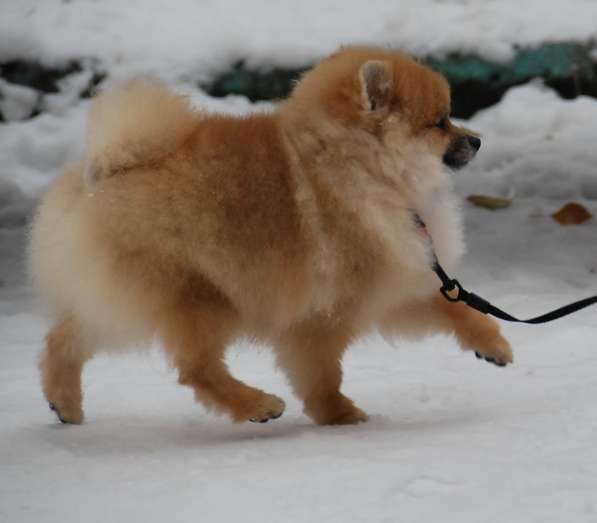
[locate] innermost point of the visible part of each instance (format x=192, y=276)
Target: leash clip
x=470, y=298
x=448, y=286
x=476, y=302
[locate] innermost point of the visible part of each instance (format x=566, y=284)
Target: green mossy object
x=36, y=75
x=273, y=84
x=476, y=83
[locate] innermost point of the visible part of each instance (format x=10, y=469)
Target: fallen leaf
x=489, y=202
x=572, y=214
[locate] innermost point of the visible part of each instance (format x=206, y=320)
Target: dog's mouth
x=462, y=151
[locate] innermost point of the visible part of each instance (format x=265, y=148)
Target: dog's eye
x=442, y=123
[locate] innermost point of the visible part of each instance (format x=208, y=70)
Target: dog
x=295, y=228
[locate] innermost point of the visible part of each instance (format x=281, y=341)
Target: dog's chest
x=441, y=214
x=373, y=250
x=400, y=250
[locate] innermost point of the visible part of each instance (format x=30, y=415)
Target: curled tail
x=135, y=125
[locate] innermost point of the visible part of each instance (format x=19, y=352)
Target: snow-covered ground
x=450, y=438
x=207, y=36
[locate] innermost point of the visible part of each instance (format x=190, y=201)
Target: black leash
x=476, y=302
x=482, y=305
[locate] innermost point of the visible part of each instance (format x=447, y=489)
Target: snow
x=203, y=38
x=16, y=102
x=450, y=437
x=537, y=145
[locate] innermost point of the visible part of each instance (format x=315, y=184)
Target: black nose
x=474, y=142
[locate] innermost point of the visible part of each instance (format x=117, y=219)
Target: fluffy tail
x=135, y=125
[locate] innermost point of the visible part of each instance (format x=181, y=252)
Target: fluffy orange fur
x=294, y=228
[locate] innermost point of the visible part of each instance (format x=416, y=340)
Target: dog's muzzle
x=462, y=151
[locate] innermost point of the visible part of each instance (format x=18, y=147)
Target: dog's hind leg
x=311, y=356
x=66, y=351
x=196, y=338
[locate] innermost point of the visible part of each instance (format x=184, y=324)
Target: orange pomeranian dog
x=294, y=228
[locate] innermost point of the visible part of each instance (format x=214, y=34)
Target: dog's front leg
x=476, y=331
x=473, y=330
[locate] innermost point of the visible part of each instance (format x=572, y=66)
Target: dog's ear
x=376, y=85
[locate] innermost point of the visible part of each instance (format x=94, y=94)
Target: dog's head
x=404, y=103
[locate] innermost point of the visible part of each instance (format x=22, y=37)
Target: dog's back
x=170, y=205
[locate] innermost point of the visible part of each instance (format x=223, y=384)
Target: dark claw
x=270, y=415
x=491, y=360
x=54, y=409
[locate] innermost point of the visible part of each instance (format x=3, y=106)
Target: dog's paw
x=335, y=409
x=270, y=407
x=72, y=416
x=351, y=417
x=498, y=352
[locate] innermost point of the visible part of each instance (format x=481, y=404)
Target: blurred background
x=523, y=75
